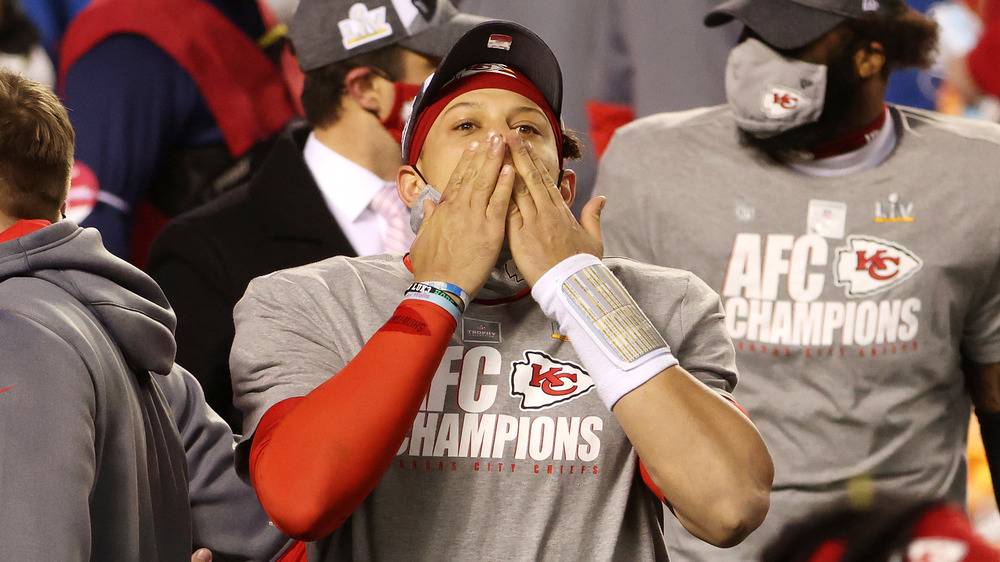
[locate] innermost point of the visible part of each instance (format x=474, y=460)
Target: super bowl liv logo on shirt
x=442, y=439
x=774, y=282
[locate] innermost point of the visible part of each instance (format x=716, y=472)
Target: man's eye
x=527, y=130
x=465, y=126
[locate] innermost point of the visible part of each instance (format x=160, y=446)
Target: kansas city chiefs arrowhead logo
x=542, y=381
x=869, y=265
x=781, y=102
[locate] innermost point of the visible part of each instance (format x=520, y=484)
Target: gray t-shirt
x=851, y=300
x=513, y=456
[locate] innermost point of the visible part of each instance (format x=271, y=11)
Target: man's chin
x=800, y=139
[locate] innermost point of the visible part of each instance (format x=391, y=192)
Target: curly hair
x=909, y=38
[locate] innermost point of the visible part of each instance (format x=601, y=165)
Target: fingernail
x=496, y=143
x=474, y=146
x=204, y=554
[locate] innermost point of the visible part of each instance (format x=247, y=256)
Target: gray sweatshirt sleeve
x=47, y=451
x=226, y=515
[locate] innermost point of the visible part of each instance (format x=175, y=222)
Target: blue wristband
x=453, y=289
x=443, y=302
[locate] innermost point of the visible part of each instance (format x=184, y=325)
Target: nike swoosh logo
x=2, y=390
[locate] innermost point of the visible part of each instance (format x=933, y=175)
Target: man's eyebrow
x=530, y=109
x=462, y=104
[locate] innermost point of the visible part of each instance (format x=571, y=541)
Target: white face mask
x=769, y=93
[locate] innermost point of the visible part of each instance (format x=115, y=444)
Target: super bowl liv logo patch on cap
x=363, y=26
x=870, y=5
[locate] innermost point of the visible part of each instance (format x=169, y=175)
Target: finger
x=459, y=172
x=500, y=200
x=590, y=219
x=548, y=182
x=202, y=555
x=522, y=193
x=488, y=174
x=474, y=172
x=428, y=208
x=536, y=179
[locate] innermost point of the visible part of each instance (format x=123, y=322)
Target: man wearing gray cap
x=327, y=188
x=854, y=243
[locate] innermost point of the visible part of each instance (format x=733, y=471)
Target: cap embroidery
x=499, y=41
x=363, y=26
x=870, y=5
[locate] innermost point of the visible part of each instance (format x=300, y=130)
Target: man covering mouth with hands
x=431, y=407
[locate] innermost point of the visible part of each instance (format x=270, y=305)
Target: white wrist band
x=617, y=344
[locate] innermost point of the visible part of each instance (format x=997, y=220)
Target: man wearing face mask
x=854, y=243
x=327, y=187
x=490, y=395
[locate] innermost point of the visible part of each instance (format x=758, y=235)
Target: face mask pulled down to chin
x=769, y=93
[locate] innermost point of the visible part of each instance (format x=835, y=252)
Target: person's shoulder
x=340, y=273
x=674, y=135
x=680, y=122
x=223, y=223
x=640, y=274
x=921, y=121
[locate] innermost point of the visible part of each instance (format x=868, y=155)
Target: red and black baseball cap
x=492, y=43
x=790, y=24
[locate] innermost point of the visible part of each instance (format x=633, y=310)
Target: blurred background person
x=883, y=529
x=165, y=95
x=327, y=187
x=20, y=46
x=108, y=449
x=853, y=243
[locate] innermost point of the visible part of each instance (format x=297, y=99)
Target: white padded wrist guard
x=616, y=342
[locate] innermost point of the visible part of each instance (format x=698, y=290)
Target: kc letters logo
x=471, y=413
x=776, y=292
x=542, y=381
x=780, y=102
x=869, y=265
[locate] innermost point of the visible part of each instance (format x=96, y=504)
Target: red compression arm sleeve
x=314, y=459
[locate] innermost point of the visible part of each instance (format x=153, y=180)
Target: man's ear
x=408, y=184
x=567, y=187
x=870, y=60
x=359, y=87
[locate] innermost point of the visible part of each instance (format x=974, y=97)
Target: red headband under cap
x=482, y=77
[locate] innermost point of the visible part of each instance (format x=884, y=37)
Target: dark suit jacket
x=205, y=259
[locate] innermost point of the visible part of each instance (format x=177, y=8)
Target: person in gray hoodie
x=107, y=449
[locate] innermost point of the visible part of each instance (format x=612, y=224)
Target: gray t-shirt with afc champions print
x=513, y=456
x=852, y=300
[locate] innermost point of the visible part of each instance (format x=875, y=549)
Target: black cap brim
x=783, y=24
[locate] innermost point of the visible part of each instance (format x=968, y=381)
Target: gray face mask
x=770, y=93
x=417, y=211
